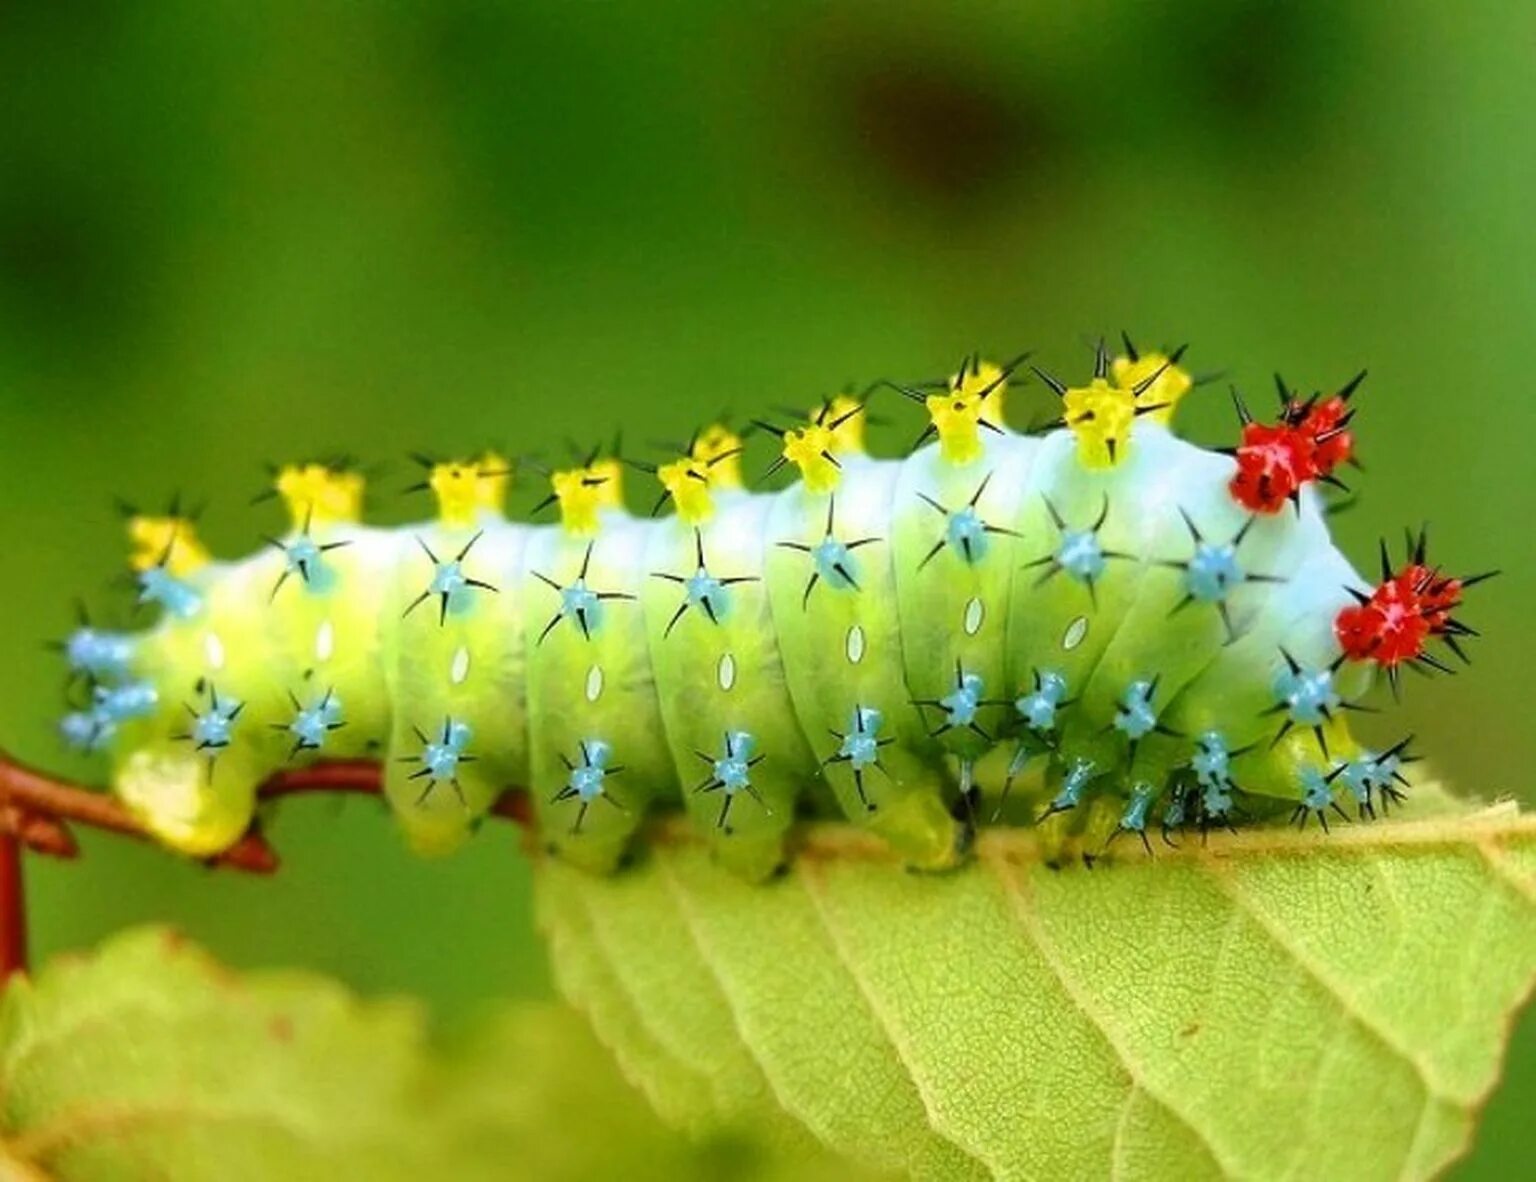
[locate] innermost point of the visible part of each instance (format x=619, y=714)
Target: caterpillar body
x=1100, y=624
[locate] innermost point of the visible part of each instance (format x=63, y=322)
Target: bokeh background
x=233, y=233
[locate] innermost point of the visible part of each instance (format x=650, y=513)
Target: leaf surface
x=1267, y=1003
x=148, y=1061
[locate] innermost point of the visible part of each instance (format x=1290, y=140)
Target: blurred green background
x=232, y=233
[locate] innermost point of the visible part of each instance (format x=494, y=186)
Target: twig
x=36, y=811
x=13, y=909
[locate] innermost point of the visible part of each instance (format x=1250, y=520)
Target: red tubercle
x=1326, y=425
x=1389, y=628
x=1395, y=622
x=1272, y=465
x=1311, y=439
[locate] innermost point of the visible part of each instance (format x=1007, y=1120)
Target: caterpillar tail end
x=194, y=806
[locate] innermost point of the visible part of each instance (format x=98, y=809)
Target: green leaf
x=1266, y=1003
x=150, y=1061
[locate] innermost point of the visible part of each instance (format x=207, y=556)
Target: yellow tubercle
x=466, y=490
x=169, y=542
x=1101, y=415
x=718, y=448
x=687, y=483
x=713, y=462
x=811, y=449
x=985, y=381
x=843, y=416
x=584, y=492
x=317, y=494
x=1165, y=383
x=957, y=417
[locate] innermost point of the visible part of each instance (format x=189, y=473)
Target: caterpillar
x=1094, y=625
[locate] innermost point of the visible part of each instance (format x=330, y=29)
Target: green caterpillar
x=1130, y=630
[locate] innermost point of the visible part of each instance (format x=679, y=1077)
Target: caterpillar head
x=466, y=490
x=320, y=494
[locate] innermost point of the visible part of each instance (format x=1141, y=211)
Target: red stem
x=13, y=909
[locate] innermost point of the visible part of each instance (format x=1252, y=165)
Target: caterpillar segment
x=1100, y=628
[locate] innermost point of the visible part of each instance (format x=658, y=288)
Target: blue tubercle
x=733, y=768
x=966, y=534
x=119, y=703
x=581, y=605
x=312, y=724
x=1080, y=554
x=1318, y=793
x=1370, y=775
x=732, y=774
x=111, y=705
x=1309, y=695
x=1038, y=709
x=1316, y=799
x=1213, y=572
x=1134, y=818
x=1212, y=764
x=179, y=598
x=707, y=593
x=1076, y=781
x=213, y=727
x=86, y=730
x=441, y=756
x=586, y=781
x=962, y=703
x=105, y=656
x=1176, y=811
x=861, y=745
x=306, y=558
x=1136, y=717
x=834, y=563
x=449, y=582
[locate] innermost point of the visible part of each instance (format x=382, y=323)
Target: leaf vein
x=1351, y=1006
x=1497, y=859
x=1015, y=889
x=690, y=924
x=887, y=1024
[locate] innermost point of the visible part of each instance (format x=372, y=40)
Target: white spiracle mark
x=325, y=641
x=213, y=650
x=459, y=670
x=594, y=683
x=975, y=613
x=855, y=645
x=1074, y=634
x=727, y=671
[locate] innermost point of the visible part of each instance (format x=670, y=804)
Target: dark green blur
x=237, y=233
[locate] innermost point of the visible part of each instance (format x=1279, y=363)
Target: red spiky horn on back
x=1311, y=439
x=1394, y=624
